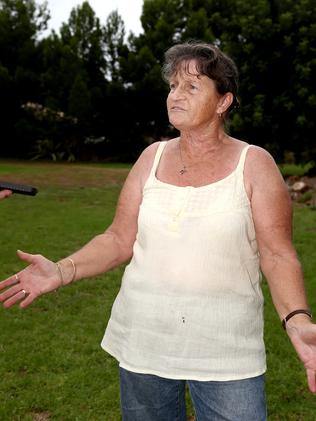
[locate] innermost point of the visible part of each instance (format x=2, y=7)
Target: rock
x=294, y=195
x=291, y=179
x=300, y=187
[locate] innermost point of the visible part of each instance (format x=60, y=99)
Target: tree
x=21, y=21
x=273, y=43
x=73, y=78
x=115, y=48
x=84, y=36
x=110, y=88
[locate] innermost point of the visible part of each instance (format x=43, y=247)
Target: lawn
x=51, y=363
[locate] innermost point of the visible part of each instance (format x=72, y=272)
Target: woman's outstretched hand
x=39, y=277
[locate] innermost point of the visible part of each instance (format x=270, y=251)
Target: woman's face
x=193, y=100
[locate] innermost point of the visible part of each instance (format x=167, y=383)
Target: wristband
x=293, y=313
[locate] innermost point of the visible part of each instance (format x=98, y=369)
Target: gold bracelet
x=74, y=269
x=60, y=271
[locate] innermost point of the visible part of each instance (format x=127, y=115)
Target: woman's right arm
x=102, y=253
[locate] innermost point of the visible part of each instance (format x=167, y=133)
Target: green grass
x=287, y=393
x=51, y=363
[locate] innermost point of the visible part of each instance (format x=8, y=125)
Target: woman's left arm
x=272, y=215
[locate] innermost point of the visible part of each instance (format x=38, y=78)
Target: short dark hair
x=210, y=61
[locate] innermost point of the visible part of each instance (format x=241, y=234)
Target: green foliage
x=83, y=35
x=20, y=22
x=113, y=35
x=79, y=104
x=91, y=71
x=265, y=39
x=296, y=169
x=305, y=197
x=47, y=149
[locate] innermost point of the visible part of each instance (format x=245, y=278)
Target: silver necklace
x=184, y=168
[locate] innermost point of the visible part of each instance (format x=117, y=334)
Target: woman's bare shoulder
x=146, y=159
x=261, y=170
x=148, y=154
x=144, y=163
x=259, y=159
x=257, y=152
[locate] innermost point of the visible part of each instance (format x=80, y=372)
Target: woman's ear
x=225, y=102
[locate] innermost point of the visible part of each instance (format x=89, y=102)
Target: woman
x=197, y=217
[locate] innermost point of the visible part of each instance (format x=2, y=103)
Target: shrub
x=296, y=169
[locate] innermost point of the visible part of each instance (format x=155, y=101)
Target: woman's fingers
x=9, y=281
x=39, y=277
x=16, y=292
x=27, y=257
x=10, y=292
x=14, y=298
x=311, y=378
x=28, y=300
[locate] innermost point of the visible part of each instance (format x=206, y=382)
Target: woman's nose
x=177, y=92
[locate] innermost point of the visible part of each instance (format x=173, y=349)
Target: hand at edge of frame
x=5, y=193
x=303, y=338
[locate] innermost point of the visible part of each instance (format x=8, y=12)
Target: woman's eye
x=172, y=86
x=193, y=87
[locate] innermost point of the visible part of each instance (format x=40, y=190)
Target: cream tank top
x=190, y=305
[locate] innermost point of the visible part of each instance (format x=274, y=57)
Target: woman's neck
x=196, y=143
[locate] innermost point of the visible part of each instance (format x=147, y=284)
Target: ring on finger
x=17, y=278
x=24, y=292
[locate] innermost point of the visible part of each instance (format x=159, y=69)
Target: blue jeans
x=145, y=397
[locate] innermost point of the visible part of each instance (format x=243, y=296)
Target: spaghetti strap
x=242, y=159
x=157, y=158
